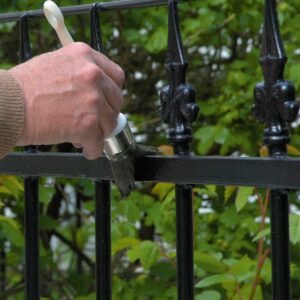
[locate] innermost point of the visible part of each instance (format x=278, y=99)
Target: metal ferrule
x=119, y=143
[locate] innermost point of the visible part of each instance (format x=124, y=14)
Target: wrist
x=12, y=110
x=22, y=139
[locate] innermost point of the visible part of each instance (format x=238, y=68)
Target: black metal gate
x=274, y=105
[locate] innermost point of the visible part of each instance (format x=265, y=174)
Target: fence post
x=103, y=198
x=179, y=110
x=32, y=280
x=275, y=106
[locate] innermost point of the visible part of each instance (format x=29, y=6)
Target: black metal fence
x=274, y=105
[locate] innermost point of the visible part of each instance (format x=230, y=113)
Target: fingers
x=93, y=150
x=109, y=67
x=114, y=71
x=77, y=145
x=100, y=122
x=92, y=142
x=107, y=114
x=112, y=93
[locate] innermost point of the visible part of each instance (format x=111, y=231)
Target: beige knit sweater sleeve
x=11, y=112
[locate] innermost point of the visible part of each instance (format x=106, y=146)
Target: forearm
x=11, y=112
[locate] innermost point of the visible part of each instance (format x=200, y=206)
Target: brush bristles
x=123, y=168
x=123, y=171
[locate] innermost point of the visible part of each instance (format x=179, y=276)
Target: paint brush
x=119, y=146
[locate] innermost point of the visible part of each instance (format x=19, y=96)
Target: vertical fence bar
x=179, y=110
x=31, y=219
x=78, y=226
x=2, y=261
x=185, y=243
x=280, y=245
x=103, y=241
x=2, y=269
x=103, y=229
x=275, y=106
x=32, y=287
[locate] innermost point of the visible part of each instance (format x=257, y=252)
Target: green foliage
x=216, y=279
x=243, y=195
x=295, y=228
x=222, y=39
x=10, y=229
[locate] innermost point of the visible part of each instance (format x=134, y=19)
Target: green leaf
x=209, y=263
x=206, y=137
x=149, y=254
x=169, y=201
x=164, y=270
x=221, y=134
x=215, y=279
x=11, y=230
x=294, y=70
x=130, y=210
x=243, y=269
x=161, y=189
x=124, y=243
x=229, y=190
x=12, y=184
x=242, y=197
x=209, y=295
x=157, y=41
x=82, y=237
x=245, y=292
x=45, y=193
x=261, y=234
x=134, y=253
x=88, y=297
x=294, y=228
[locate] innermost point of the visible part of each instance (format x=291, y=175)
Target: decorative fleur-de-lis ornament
x=178, y=108
x=275, y=97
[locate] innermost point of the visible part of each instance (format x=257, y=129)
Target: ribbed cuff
x=11, y=112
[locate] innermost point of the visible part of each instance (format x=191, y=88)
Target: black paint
x=102, y=192
x=275, y=106
x=31, y=219
x=179, y=110
x=103, y=241
x=244, y=171
x=86, y=8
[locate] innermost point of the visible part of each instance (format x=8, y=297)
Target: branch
x=18, y=287
x=262, y=255
x=73, y=247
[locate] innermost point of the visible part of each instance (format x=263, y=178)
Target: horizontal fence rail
x=85, y=9
x=250, y=171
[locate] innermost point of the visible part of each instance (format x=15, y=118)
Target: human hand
x=71, y=95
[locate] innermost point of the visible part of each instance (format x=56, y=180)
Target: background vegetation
x=232, y=255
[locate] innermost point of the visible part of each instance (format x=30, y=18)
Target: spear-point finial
x=176, y=61
x=273, y=57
